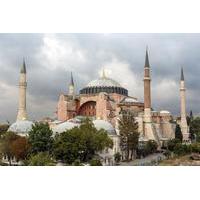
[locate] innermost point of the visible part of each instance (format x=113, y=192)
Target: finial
x=103, y=73
x=147, y=58
x=182, y=74
x=23, y=68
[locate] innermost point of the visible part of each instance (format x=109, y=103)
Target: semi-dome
x=64, y=127
x=102, y=124
x=21, y=127
x=104, y=84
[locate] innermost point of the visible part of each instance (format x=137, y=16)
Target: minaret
x=149, y=131
x=184, y=126
x=71, y=87
x=147, y=89
x=22, y=114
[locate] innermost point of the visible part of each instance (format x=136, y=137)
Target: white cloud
x=58, y=53
x=121, y=72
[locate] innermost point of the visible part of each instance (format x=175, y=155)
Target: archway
x=88, y=109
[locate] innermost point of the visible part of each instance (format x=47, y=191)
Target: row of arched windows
x=93, y=90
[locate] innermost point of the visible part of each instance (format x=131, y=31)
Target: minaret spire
x=182, y=74
x=71, y=87
x=72, y=80
x=147, y=83
x=23, y=68
x=22, y=114
x=147, y=59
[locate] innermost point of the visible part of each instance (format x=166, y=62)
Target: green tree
x=40, y=159
x=3, y=129
x=129, y=135
x=151, y=146
x=40, y=138
x=195, y=128
x=178, y=133
x=181, y=149
x=172, y=143
x=81, y=143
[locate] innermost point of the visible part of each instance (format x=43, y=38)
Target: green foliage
x=3, y=128
x=195, y=147
x=40, y=138
x=77, y=163
x=129, y=134
x=80, y=143
x=195, y=128
x=178, y=133
x=95, y=162
x=151, y=146
x=40, y=159
x=172, y=143
x=167, y=153
x=181, y=149
x=117, y=157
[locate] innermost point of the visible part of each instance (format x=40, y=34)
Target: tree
x=41, y=159
x=6, y=145
x=151, y=146
x=20, y=148
x=3, y=129
x=172, y=143
x=178, y=133
x=40, y=138
x=195, y=128
x=129, y=134
x=81, y=143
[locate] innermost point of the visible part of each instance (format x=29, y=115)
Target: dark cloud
x=51, y=57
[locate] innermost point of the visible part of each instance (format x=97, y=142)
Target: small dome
x=129, y=100
x=21, y=127
x=164, y=112
x=64, y=127
x=102, y=124
x=103, y=82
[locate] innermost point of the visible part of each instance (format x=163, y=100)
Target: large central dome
x=104, y=84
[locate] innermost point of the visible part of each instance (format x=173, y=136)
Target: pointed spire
x=72, y=80
x=182, y=74
x=23, y=68
x=147, y=58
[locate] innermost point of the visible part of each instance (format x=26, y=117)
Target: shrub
x=77, y=163
x=95, y=162
x=172, y=143
x=117, y=157
x=181, y=149
x=151, y=146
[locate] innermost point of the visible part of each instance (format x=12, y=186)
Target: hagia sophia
x=104, y=100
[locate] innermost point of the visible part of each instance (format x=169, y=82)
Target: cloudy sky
x=51, y=57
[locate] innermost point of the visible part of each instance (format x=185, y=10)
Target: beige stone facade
x=105, y=99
